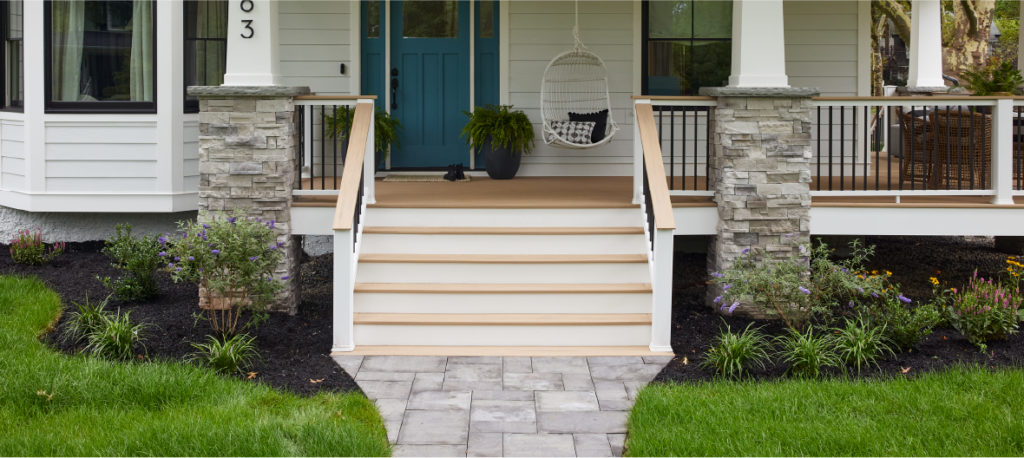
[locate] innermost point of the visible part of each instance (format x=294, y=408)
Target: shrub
x=904, y=324
x=233, y=259
x=116, y=337
x=860, y=345
x=227, y=354
x=86, y=319
x=985, y=311
x=734, y=353
x=500, y=125
x=807, y=354
x=137, y=258
x=837, y=287
x=993, y=76
x=28, y=248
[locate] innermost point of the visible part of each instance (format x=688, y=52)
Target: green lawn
x=107, y=408
x=962, y=412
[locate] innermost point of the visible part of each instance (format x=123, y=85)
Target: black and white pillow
x=576, y=132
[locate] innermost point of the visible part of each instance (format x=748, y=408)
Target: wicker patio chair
x=919, y=148
x=964, y=142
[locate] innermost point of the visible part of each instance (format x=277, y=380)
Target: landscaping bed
x=293, y=349
x=912, y=261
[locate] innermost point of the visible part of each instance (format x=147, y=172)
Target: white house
x=97, y=128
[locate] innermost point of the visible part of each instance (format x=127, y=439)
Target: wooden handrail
x=350, y=182
x=936, y=99
x=336, y=97
x=673, y=97
x=660, y=200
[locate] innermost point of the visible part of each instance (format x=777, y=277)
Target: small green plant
x=28, y=248
x=985, y=311
x=994, y=76
x=838, y=286
x=860, y=345
x=807, y=354
x=233, y=259
x=501, y=126
x=385, y=127
x=115, y=337
x=227, y=354
x=137, y=258
x=776, y=285
x=86, y=319
x=734, y=353
x=904, y=323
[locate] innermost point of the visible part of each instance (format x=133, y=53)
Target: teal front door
x=429, y=81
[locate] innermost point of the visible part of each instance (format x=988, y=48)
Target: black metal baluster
x=842, y=148
x=682, y=149
x=695, y=148
x=831, y=172
x=323, y=138
x=707, y=150
x=818, y=177
x=672, y=146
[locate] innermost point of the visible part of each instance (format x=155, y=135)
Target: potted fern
x=996, y=77
x=385, y=129
x=502, y=136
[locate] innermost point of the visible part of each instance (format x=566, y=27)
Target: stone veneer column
x=247, y=160
x=761, y=174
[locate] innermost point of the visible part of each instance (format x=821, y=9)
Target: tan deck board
x=504, y=319
x=436, y=350
x=504, y=258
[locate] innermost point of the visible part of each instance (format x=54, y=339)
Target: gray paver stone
x=376, y=389
x=483, y=395
x=605, y=421
x=393, y=427
x=503, y=417
x=428, y=450
x=663, y=360
x=561, y=364
x=456, y=360
x=440, y=400
x=391, y=409
x=349, y=363
x=618, y=443
x=610, y=390
x=428, y=381
x=632, y=388
x=434, y=427
x=404, y=363
x=592, y=445
x=484, y=444
x=539, y=445
x=566, y=401
x=534, y=381
x=518, y=364
x=385, y=376
x=634, y=372
x=614, y=360
x=578, y=382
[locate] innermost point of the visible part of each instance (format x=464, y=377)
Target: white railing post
x=369, y=159
x=661, y=310
x=1002, y=152
x=307, y=140
x=638, y=157
x=344, y=298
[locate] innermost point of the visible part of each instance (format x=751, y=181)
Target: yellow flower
x=888, y=273
x=935, y=281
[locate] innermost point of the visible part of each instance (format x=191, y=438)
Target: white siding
x=12, y=155
x=190, y=168
x=542, y=30
x=314, y=42
x=821, y=45
x=102, y=156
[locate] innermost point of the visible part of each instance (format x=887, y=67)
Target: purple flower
x=745, y=251
x=162, y=239
x=176, y=259
x=162, y=254
x=178, y=269
x=271, y=224
x=844, y=270
x=191, y=258
x=717, y=299
x=851, y=304
x=215, y=251
x=717, y=274
x=272, y=248
x=904, y=299
x=726, y=287
x=285, y=277
x=206, y=226
x=254, y=258
x=875, y=295
x=804, y=290
x=732, y=307
x=232, y=220
x=170, y=264
x=861, y=290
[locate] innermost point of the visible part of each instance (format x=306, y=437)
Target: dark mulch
x=911, y=259
x=293, y=349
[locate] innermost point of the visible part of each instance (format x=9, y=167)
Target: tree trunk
x=967, y=44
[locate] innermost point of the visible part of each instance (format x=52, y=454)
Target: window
x=100, y=56
x=206, y=27
x=12, y=54
x=688, y=45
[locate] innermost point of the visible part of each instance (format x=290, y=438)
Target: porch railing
x=651, y=191
x=355, y=189
x=324, y=125
x=683, y=133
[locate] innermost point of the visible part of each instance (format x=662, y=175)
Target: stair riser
x=503, y=244
x=614, y=335
x=559, y=217
x=502, y=303
x=380, y=272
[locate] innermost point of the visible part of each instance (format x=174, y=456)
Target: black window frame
x=122, y=107
x=192, y=104
x=15, y=105
x=646, y=39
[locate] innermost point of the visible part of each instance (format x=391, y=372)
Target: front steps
x=503, y=281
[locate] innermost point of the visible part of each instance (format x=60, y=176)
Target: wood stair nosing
x=504, y=319
x=504, y=258
x=502, y=288
x=485, y=230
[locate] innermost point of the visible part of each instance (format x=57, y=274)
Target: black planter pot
x=501, y=165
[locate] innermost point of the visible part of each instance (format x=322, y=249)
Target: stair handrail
x=351, y=189
x=656, y=187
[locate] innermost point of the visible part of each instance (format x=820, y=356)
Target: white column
x=758, y=44
x=170, y=123
x=1002, y=152
x=344, y=297
x=661, y=310
x=638, y=158
x=35, y=98
x=925, y=45
x=252, y=44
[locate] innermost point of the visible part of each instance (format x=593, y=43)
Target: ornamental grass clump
x=86, y=319
x=860, y=345
x=734, y=354
x=985, y=311
x=115, y=337
x=227, y=355
x=233, y=259
x=806, y=353
x=28, y=248
x=137, y=258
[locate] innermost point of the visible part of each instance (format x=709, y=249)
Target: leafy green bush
x=994, y=76
x=904, y=323
x=734, y=353
x=233, y=259
x=137, y=258
x=860, y=345
x=227, y=354
x=807, y=354
x=385, y=127
x=985, y=311
x=504, y=127
x=28, y=248
x=777, y=286
x=86, y=319
x=837, y=287
x=115, y=337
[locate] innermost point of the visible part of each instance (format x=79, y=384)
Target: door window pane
x=713, y=19
x=13, y=55
x=670, y=19
x=430, y=19
x=486, y=18
x=206, y=27
x=688, y=46
x=373, y=20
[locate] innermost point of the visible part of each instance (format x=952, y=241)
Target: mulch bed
x=293, y=349
x=911, y=259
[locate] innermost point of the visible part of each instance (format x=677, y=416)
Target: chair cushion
x=574, y=132
x=600, y=120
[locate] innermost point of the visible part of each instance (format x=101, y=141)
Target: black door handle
x=394, y=88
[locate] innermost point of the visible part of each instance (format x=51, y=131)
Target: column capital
x=758, y=44
x=252, y=44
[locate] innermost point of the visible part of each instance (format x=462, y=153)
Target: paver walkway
x=503, y=406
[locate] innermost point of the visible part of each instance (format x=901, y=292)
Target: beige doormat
x=393, y=178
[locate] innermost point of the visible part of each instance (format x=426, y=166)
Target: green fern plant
x=502, y=126
x=994, y=76
x=385, y=127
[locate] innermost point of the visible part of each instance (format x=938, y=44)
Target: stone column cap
x=730, y=91
x=248, y=91
x=927, y=90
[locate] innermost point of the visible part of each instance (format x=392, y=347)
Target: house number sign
x=247, y=6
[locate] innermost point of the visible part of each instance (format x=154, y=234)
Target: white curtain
x=142, y=51
x=68, y=30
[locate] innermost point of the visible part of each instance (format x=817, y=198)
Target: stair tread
x=502, y=230
x=504, y=258
x=504, y=319
x=501, y=288
x=483, y=350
